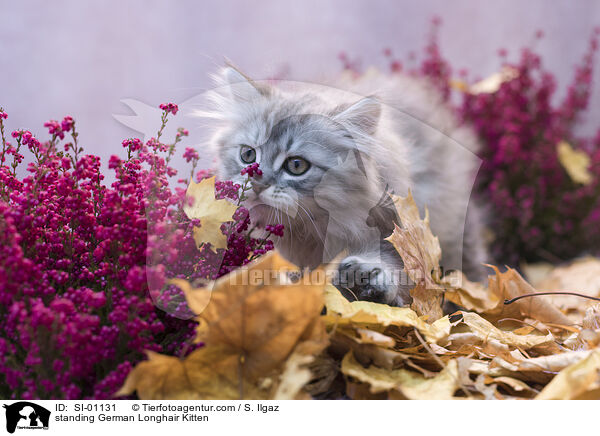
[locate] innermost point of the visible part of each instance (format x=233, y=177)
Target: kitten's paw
x=363, y=280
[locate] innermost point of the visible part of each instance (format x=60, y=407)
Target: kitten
x=329, y=156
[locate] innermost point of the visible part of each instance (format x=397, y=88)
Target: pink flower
x=67, y=123
x=134, y=144
x=169, y=108
x=54, y=128
x=276, y=229
x=252, y=170
x=190, y=154
x=182, y=132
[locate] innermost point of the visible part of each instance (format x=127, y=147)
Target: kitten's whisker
x=311, y=218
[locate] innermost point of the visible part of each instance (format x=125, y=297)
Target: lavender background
x=82, y=57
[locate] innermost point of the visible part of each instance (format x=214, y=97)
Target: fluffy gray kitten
x=330, y=155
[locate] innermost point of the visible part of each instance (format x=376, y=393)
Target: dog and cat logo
x=26, y=415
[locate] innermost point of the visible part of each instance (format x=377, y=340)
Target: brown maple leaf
x=261, y=330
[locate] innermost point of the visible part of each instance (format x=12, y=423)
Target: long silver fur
x=363, y=137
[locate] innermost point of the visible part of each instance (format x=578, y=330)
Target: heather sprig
x=539, y=212
x=536, y=211
x=84, y=266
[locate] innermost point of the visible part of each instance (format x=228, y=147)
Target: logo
x=26, y=415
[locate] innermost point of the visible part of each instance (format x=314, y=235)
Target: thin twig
x=535, y=294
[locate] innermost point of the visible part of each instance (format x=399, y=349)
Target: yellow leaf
x=295, y=376
x=575, y=162
x=421, y=254
x=211, y=213
x=409, y=384
x=460, y=85
x=515, y=384
x=344, y=339
x=580, y=380
x=484, y=331
x=470, y=295
x=373, y=337
x=491, y=84
x=341, y=312
x=553, y=362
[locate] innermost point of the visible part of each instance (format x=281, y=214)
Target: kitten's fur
x=359, y=148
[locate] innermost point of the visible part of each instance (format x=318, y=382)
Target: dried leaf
x=427, y=303
x=372, y=337
x=513, y=383
x=553, y=362
x=295, y=376
x=575, y=162
x=482, y=331
x=344, y=341
x=409, y=384
x=342, y=312
x=491, y=84
x=259, y=310
x=580, y=380
x=207, y=373
x=470, y=295
x=421, y=254
x=581, y=276
x=509, y=285
x=211, y=213
x=591, y=320
x=256, y=320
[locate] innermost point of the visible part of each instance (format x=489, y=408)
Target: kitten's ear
x=363, y=114
x=241, y=87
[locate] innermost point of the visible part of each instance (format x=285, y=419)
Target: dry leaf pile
x=259, y=332
x=267, y=335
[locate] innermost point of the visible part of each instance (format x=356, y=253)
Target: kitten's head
x=297, y=138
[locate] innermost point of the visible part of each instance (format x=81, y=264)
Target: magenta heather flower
x=84, y=266
x=133, y=144
x=190, y=154
x=537, y=211
x=182, y=132
x=276, y=229
x=54, y=128
x=252, y=170
x=169, y=108
x=73, y=272
x=67, y=124
x=226, y=189
x=3, y=115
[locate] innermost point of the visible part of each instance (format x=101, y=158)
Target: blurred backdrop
x=80, y=58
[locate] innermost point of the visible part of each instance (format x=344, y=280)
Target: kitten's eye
x=247, y=154
x=296, y=165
